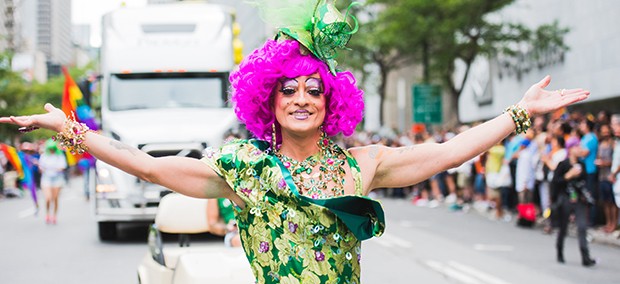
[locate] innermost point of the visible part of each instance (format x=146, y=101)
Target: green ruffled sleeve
x=231, y=162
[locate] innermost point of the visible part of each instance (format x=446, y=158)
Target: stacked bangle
x=520, y=116
x=72, y=136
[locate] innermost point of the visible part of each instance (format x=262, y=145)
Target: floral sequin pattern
x=285, y=240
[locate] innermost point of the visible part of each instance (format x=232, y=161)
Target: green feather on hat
x=317, y=25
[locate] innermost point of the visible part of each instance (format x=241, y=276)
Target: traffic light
x=237, y=44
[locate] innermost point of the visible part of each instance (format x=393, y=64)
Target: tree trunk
x=382, y=91
x=455, y=93
x=426, y=65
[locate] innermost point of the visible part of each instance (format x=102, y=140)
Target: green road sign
x=427, y=104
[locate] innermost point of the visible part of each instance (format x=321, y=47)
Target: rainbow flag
x=11, y=155
x=27, y=182
x=73, y=104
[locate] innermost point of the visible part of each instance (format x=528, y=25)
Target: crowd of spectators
x=519, y=170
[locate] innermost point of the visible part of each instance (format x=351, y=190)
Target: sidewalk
x=601, y=237
x=596, y=235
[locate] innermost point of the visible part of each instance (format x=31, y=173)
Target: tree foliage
x=368, y=49
x=438, y=33
x=19, y=97
x=14, y=96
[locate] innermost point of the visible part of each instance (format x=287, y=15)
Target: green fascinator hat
x=315, y=24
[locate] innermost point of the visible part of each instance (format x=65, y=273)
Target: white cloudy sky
x=90, y=12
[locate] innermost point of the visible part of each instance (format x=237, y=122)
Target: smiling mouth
x=301, y=114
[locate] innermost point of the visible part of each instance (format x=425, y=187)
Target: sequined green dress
x=288, y=237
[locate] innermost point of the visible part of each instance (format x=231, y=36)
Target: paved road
x=421, y=245
x=424, y=245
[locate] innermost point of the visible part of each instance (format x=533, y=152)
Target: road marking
x=487, y=278
x=452, y=273
x=27, y=213
x=463, y=273
x=389, y=241
x=484, y=247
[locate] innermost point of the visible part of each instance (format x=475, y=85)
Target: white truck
x=164, y=91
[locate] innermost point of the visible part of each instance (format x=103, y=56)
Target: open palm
x=537, y=100
x=53, y=119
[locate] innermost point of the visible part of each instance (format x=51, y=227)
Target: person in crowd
x=460, y=178
x=603, y=117
x=85, y=165
x=524, y=175
x=589, y=150
x=603, y=162
x=614, y=175
x=510, y=158
x=52, y=165
x=569, y=185
x=300, y=199
x=479, y=184
x=495, y=157
x=565, y=130
x=3, y=162
x=551, y=160
x=221, y=220
x=542, y=185
x=30, y=162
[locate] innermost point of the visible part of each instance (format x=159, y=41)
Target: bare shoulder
x=367, y=154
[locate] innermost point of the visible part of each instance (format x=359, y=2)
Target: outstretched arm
x=394, y=167
x=184, y=175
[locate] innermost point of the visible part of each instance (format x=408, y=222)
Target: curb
x=595, y=235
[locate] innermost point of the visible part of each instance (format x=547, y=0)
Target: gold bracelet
x=72, y=136
x=521, y=118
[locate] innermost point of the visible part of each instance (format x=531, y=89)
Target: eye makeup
x=313, y=86
x=314, y=83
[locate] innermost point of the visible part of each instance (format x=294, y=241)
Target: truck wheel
x=107, y=231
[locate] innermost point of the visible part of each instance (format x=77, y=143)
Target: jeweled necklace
x=321, y=175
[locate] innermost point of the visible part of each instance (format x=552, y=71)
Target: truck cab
x=165, y=87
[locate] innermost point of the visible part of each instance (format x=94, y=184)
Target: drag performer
x=300, y=199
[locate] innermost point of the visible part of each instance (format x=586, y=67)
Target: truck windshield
x=167, y=90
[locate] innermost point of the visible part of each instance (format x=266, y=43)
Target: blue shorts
x=52, y=180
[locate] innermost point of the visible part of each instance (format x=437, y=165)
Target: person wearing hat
x=301, y=200
x=572, y=197
x=52, y=165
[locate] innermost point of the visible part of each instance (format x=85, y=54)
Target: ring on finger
x=27, y=129
x=561, y=91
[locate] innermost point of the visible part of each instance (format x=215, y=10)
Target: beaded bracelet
x=520, y=116
x=72, y=136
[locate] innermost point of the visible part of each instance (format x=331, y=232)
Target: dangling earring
x=323, y=140
x=273, y=137
x=323, y=135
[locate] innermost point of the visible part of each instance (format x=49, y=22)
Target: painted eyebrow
x=285, y=79
x=319, y=81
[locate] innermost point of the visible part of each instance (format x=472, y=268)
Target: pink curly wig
x=254, y=82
